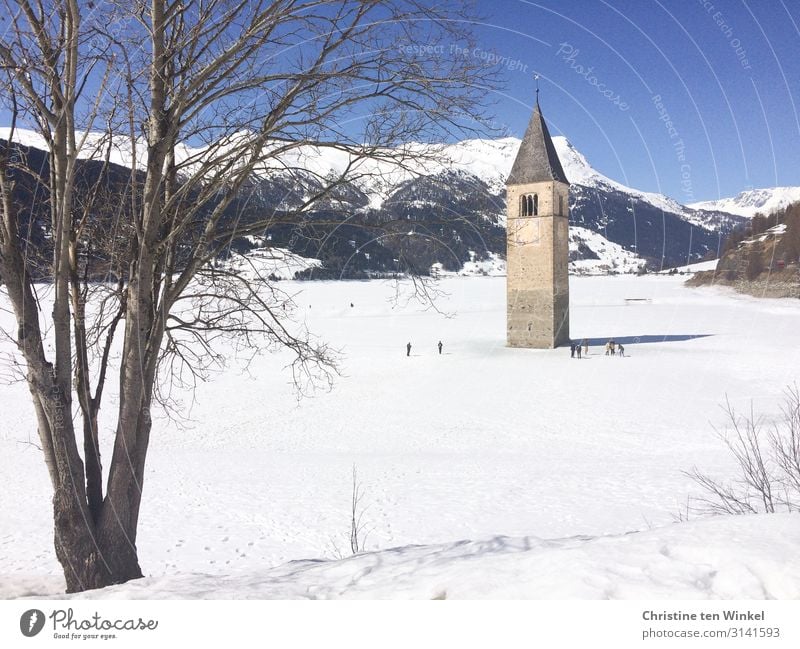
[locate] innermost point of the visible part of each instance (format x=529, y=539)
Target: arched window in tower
x=535, y=205
x=560, y=205
x=523, y=205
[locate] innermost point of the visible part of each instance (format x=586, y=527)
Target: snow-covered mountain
x=753, y=201
x=491, y=161
x=637, y=226
x=486, y=159
x=613, y=224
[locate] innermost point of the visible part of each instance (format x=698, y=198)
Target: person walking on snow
x=408, y=349
x=572, y=350
x=585, y=347
x=578, y=350
x=440, y=347
x=621, y=350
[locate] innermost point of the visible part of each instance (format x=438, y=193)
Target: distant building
x=537, y=193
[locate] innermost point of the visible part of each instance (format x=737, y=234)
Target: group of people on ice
x=613, y=348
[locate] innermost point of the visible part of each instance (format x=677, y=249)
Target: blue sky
x=696, y=99
x=726, y=73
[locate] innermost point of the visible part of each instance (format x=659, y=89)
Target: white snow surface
x=695, y=268
x=487, y=471
x=753, y=201
x=723, y=558
x=772, y=232
x=263, y=263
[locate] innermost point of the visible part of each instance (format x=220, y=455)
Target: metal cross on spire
x=536, y=79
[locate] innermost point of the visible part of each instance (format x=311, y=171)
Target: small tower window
x=529, y=205
x=561, y=205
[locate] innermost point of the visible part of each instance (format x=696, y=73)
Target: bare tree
x=203, y=96
x=45, y=75
x=784, y=439
x=768, y=461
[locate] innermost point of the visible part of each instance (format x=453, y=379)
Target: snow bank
x=737, y=557
x=693, y=268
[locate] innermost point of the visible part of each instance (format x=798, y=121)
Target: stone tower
x=537, y=194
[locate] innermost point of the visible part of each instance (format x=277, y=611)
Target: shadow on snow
x=648, y=338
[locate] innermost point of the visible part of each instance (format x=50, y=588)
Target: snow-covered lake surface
x=542, y=465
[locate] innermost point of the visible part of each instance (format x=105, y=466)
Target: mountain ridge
x=748, y=203
x=465, y=182
x=488, y=159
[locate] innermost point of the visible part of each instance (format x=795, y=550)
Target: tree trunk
x=94, y=468
x=98, y=549
x=91, y=557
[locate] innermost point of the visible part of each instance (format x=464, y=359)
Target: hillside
x=762, y=259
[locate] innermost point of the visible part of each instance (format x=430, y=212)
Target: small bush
x=768, y=458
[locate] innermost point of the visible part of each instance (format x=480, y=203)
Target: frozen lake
x=480, y=441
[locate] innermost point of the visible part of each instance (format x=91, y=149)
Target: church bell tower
x=537, y=195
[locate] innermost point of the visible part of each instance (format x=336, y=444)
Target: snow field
x=478, y=443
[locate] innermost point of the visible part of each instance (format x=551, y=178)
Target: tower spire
x=536, y=160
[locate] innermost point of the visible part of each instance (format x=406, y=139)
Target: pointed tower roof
x=536, y=159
